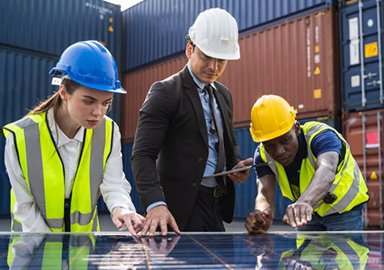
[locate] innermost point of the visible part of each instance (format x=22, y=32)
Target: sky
x=124, y=3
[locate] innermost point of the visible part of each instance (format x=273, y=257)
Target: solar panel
x=278, y=250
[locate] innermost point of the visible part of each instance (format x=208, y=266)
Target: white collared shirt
x=114, y=188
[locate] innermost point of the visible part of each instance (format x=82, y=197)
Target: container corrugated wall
x=296, y=59
x=364, y=133
x=49, y=26
x=362, y=33
x=156, y=28
x=304, y=71
x=24, y=81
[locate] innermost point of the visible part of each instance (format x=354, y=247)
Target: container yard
x=325, y=57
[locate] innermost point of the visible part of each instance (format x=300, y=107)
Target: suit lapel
x=192, y=92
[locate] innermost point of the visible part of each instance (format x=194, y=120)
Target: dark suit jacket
x=171, y=146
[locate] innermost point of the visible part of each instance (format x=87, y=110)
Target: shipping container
x=363, y=131
x=24, y=81
x=49, y=26
x=362, y=53
x=155, y=29
x=296, y=59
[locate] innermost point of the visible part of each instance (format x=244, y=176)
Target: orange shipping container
x=363, y=131
x=297, y=59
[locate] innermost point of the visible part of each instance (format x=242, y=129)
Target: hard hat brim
x=223, y=56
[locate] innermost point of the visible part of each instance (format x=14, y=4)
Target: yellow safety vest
x=43, y=170
x=349, y=185
x=345, y=253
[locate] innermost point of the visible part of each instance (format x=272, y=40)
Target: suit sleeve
x=154, y=119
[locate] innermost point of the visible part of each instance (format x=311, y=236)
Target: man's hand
x=298, y=214
x=122, y=217
x=159, y=216
x=240, y=177
x=258, y=222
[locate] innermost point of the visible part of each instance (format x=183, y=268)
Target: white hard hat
x=215, y=33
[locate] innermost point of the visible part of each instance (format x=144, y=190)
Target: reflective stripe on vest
x=42, y=167
x=348, y=185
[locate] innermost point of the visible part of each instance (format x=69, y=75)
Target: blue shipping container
x=362, y=33
x=24, y=81
x=49, y=26
x=156, y=29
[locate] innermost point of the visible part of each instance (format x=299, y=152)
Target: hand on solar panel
x=258, y=221
x=159, y=217
x=298, y=214
x=124, y=218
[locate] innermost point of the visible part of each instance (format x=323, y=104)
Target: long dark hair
x=54, y=101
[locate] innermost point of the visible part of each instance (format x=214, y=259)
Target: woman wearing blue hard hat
x=66, y=152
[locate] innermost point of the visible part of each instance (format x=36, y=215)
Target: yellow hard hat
x=271, y=117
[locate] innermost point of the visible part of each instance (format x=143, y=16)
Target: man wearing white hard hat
x=185, y=136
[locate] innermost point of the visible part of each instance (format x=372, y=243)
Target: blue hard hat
x=90, y=64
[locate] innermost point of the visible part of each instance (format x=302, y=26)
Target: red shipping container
x=363, y=131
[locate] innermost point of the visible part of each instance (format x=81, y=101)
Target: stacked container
x=362, y=99
x=32, y=37
x=293, y=54
x=156, y=29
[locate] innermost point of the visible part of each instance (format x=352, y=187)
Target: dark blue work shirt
x=326, y=141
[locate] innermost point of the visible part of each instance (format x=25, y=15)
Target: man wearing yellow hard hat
x=314, y=167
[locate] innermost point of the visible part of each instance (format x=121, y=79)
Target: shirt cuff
x=153, y=205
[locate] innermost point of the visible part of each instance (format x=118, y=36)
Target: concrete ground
x=106, y=225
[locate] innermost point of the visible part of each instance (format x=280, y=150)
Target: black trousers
x=205, y=215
